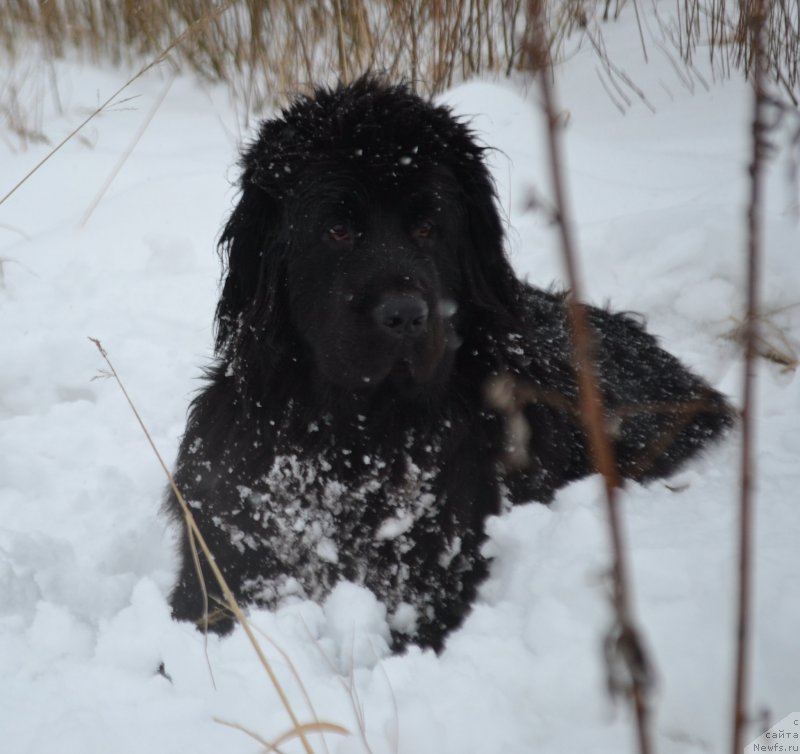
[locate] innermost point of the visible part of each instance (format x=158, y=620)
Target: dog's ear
x=491, y=281
x=252, y=247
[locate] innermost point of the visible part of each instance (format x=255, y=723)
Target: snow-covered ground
x=85, y=556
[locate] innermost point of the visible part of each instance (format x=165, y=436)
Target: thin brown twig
x=755, y=11
x=269, y=747
x=249, y=733
x=313, y=727
x=298, y=729
x=624, y=644
x=204, y=591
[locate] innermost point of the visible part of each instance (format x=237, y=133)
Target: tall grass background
x=266, y=50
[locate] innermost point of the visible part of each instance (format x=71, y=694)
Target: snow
x=86, y=557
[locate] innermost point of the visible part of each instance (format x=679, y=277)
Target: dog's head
x=366, y=241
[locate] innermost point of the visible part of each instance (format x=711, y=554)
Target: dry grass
x=298, y=730
x=770, y=341
x=719, y=28
x=190, y=32
x=265, y=49
x=21, y=125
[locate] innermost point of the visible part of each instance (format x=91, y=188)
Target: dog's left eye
x=340, y=233
x=423, y=230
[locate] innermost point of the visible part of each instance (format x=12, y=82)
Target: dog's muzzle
x=401, y=315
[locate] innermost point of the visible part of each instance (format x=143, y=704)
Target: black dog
x=368, y=308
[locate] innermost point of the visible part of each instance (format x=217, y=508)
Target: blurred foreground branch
x=629, y=670
x=755, y=12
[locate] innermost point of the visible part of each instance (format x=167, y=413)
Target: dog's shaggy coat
x=368, y=309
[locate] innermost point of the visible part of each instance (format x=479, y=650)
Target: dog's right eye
x=340, y=233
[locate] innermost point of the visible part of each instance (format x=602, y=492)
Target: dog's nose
x=401, y=315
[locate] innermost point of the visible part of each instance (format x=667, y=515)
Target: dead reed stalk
x=298, y=730
x=755, y=12
x=629, y=668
